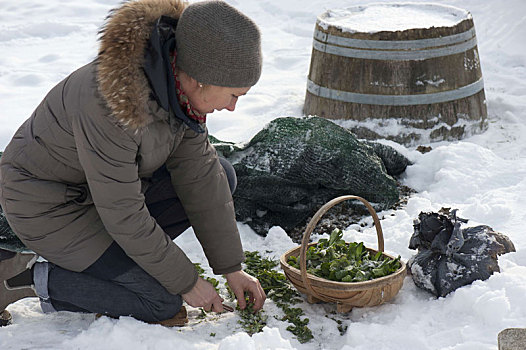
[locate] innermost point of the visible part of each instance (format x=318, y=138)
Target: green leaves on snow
x=280, y=290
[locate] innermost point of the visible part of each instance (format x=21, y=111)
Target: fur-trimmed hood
x=120, y=74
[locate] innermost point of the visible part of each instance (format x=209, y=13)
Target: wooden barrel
x=412, y=71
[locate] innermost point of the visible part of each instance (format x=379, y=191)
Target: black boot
x=12, y=265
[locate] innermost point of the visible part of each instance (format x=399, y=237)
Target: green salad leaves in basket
x=336, y=260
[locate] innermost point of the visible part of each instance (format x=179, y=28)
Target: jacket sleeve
x=201, y=184
x=107, y=154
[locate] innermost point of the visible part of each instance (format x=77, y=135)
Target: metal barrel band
x=395, y=55
x=396, y=100
x=331, y=39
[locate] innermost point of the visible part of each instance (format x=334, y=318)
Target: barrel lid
x=380, y=17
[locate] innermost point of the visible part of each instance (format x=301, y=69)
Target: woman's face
x=210, y=98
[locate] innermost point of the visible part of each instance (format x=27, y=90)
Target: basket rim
x=312, y=277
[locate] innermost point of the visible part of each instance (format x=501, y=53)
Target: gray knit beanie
x=218, y=45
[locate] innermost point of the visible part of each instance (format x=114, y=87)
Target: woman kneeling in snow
x=115, y=163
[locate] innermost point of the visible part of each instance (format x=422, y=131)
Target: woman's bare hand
x=204, y=295
x=241, y=282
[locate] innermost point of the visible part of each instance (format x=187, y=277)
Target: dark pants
x=115, y=285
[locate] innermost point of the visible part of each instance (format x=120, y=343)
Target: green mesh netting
x=295, y=165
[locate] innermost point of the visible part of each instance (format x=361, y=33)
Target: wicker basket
x=345, y=294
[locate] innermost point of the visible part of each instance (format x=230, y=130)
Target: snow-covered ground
x=42, y=41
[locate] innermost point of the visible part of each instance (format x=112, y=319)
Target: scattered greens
x=336, y=260
x=284, y=295
x=274, y=283
x=280, y=290
x=341, y=327
x=251, y=321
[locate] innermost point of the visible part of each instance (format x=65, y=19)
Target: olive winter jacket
x=72, y=180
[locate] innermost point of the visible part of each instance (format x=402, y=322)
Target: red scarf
x=181, y=96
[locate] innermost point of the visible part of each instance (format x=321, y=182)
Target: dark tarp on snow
x=450, y=257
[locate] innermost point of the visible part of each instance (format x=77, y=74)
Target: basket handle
x=314, y=221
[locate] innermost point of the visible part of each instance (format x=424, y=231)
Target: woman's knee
x=230, y=174
x=164, y=309
x=151, y=301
